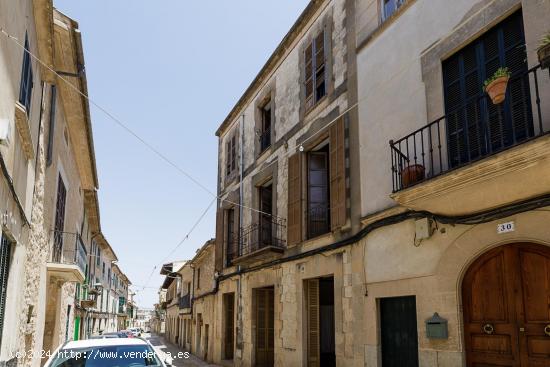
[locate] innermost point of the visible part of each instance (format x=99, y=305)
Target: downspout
x=239, y=298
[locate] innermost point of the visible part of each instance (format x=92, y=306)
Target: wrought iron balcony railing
x=472, y=131
x=184, y=301
x=267, y=232
x=318, y=220
x=68, y=249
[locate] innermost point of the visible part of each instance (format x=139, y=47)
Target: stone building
x=289, y=285
x=120, y=284
x=200, y=334
x=170, y=290
x=456, y=205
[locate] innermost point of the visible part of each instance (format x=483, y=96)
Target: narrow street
x=164, y=348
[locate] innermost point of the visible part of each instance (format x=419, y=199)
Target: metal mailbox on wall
x=437, y=327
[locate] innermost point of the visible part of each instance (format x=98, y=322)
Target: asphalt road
x=165, y=348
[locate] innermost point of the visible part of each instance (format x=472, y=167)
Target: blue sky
x=171, y=70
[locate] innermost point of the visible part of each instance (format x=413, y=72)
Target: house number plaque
x=506, y=227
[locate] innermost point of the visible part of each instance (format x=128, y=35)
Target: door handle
x=489, y=329
x=547, y=330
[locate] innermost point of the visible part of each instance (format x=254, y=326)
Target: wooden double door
x=506, y=303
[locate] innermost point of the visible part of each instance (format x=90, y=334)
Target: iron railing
x=472, y=131
x=318, y=220
x=68, y=248
x=184, y=301
x=267, y=232
x=265, y=139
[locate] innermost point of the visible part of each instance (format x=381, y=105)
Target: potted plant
x=412, y=174
x=544, y=51
x=496, y=85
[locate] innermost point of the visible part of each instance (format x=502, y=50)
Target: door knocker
x=547, y=330
x=489, y=329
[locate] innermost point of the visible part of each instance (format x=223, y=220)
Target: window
x=5, y=256
x=475, y=128
x=51, y=129
x=265, y=134
x=325, y=197
x=315, y=71
x=59, y=221
x=198, y=278
x=231, y=154
x=389, y=7
x=98, y=255
x=25, y=89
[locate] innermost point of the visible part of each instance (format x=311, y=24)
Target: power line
x=125, y=127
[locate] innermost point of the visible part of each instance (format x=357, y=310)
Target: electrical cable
x=125, y=127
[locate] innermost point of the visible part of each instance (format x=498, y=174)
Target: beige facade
x=50, y=211
x=23, y=246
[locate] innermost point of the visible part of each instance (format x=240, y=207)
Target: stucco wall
x=433, y=271
x=400, y=78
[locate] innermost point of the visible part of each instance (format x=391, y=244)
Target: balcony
x=68, y=258
x=89, y=303
x=477, y=156
x=262, y=240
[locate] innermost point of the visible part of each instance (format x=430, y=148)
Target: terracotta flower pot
x=544, y=56
x=497, y=89
x=412, y=174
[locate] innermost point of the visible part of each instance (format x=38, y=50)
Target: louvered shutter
x=337, y=175
x=261, y=342
x=219, y=248
x=475, y=126
x=308, y=76
x=294, y=229
x=313, y=349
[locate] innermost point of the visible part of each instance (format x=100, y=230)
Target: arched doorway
x=506, y=303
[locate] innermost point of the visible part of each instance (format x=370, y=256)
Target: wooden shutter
x=294, y=234
x=313, y=348
x=219, y=248
x=475, y=126
x=337, y=176
x=308, y=76
x=261, y=342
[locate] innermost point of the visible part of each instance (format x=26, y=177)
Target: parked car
x=106, y=352
x=128, y=333
x=136, y=331
x=118, y=334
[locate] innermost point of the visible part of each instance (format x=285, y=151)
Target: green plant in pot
x=544, y=51
x=496, y=85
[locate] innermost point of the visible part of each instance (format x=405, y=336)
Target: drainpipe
x=241, y=157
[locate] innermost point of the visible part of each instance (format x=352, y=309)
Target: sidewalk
x=162, y=347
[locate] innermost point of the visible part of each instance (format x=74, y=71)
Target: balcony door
x=475, y=126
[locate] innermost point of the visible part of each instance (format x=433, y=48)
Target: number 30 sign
x=506, y=227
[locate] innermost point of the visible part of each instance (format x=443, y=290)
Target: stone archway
x=506, y=307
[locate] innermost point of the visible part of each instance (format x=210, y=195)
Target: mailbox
x=436, y=327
